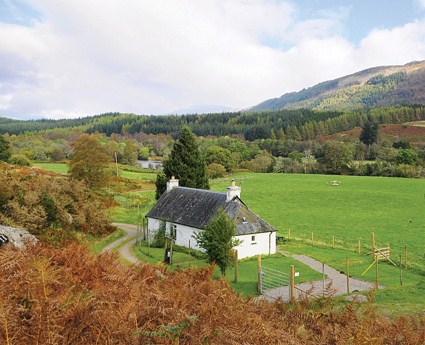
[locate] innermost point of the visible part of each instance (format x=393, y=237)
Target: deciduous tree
x=337, y=155
x=217, y=239
x=89, y=162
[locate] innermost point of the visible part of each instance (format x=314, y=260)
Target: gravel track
x=129, y=240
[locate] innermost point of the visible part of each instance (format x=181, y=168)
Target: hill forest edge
x=377, y=142
x=58, y=286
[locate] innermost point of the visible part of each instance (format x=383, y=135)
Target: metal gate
x=273, y=279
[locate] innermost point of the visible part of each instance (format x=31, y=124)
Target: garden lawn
x=155, y=255
x=247, y=269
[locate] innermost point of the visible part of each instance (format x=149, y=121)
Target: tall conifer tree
x=184, y=163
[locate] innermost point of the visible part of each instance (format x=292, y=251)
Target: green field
x=59, y=168
x=392, y=208
x=133, y=173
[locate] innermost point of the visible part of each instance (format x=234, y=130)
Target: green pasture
x=127, y=172
x=403, y=290
x=133, y=175
x=132, y=207
x=392, y=208
x=58, y=168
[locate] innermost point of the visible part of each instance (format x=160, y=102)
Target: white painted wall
x=264, y=244
x=153, y=227
x=247, y=248
x=184, y=233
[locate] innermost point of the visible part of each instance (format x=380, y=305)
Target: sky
x=65, y=59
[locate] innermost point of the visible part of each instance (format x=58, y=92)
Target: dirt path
x=129, y=239
x=338, y=280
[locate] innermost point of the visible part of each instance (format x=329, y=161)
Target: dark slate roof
x=196, y=207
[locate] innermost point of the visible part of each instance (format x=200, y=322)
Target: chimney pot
x=233, y=191
x=172, y=183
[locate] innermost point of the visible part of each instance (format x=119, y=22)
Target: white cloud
x=5, y=101
x=156, y=56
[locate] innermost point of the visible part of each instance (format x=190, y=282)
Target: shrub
x=19, y=160
x=216, y=170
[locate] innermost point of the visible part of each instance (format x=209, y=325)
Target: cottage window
x=253, y=240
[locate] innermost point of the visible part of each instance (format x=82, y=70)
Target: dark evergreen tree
x=185, y=163
x=369, y=133
x=4, y=149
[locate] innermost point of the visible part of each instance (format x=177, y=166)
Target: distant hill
x=370, y=88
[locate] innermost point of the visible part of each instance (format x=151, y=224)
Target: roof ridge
x=200, y=190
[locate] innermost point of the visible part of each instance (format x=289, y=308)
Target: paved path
x=339, y=282
x=129, y=239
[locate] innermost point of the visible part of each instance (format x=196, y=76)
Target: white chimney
x=172, y=183
x=233, y=191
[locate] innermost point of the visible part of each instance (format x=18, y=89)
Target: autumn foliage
x=70, y=296
x=49, y=205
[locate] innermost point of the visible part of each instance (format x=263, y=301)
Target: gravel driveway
x=129, y=240
x=338, y=280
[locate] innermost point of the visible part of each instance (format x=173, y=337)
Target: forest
x=288, y=141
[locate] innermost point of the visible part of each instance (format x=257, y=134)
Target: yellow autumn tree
x=90, y=162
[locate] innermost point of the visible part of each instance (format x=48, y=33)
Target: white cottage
x=186, y=211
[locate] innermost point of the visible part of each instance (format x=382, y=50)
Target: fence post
x=377, y=273
x=260, y=288
x=289, y=234
x=333, y=242
x=312, y=239
x=401, y=272
x=373, y=245
x=292, y=284
x=347, y=269
x=236, y=265
x=190, y=253
x=405, y=256
x=323, y=279
x=359, y=246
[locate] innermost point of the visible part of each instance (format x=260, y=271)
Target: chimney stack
x=233, y=191
x=172, y=183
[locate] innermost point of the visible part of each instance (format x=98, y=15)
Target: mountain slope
x=373, y=87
